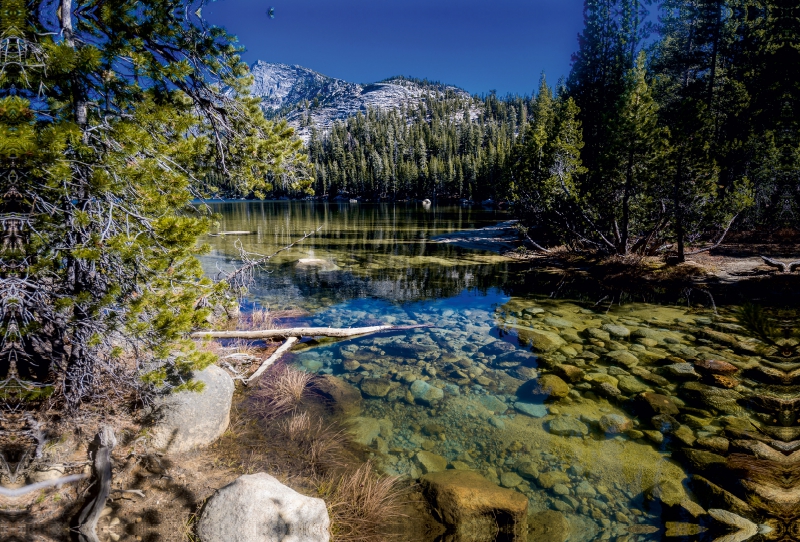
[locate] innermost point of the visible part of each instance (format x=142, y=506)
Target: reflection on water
x=631, y=422
x=361, y=250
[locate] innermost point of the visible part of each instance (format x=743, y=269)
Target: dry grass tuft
x=363, y=505
x=282, y=391
x=259, y=319
x=318, y=444
x=243, y=346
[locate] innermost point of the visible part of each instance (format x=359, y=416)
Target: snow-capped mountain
x=297, y=93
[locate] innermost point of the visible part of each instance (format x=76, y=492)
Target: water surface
x=596, y=411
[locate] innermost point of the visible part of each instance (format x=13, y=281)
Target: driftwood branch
x=285, y=347
x=783, y=266
x=87, y=520
x=20, y=491
x=302, y=332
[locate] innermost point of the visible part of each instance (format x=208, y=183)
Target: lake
x=617, y=419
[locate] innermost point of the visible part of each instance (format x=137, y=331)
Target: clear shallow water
x=539, y=394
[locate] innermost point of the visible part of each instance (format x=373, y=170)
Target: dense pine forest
x=447, y=147
x=678, y=122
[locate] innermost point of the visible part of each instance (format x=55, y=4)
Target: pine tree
x=638, y=155
x=113, y=120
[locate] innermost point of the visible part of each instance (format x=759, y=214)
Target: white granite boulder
x=186, y=420
x=258, y=508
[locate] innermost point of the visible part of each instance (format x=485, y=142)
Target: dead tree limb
x=20, y=491
x=719, y=241
x=783, y=266
x=250, y=263
x=285, y=347
x=301, y=332
x=87, y=520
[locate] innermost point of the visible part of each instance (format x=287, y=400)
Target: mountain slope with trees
x=678, y=122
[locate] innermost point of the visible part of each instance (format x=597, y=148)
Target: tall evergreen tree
x=113, y=116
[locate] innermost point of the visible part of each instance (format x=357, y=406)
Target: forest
x=677, y=123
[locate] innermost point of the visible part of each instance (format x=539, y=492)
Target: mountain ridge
x=306, y=98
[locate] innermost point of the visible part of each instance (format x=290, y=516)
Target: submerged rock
x=548, y=480
x=597, y=333
x=666, y=493
x=614, y=424
x=570, y=372
x=650, y=404
x=540, y=340
x=490, y=402
x=258, y=508
x=545, y=386
x=723, y=400
x=623, y=357
x=364, y=430
x=425, y=393
x=510, y=479
x=375, y=387
x=534, y=410
x=631, y=385
x=497, y=422
x=474, y=507
x=567, y=426
x=430, y=462
x=548, y=526
x=621, y=332
x=682, y=371
x=716, y=366
x=559, y=323
x=342, y=398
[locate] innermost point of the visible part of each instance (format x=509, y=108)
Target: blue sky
x=500, y=45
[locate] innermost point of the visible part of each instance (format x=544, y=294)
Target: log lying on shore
x=302, y=332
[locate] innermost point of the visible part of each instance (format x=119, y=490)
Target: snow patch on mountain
x=309, y=99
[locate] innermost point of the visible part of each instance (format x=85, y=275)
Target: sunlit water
x=466, y=393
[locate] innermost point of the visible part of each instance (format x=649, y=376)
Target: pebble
x=510, y=479
x=497, y=422
x=531, y=409
x=617, y=331
x=568, y=426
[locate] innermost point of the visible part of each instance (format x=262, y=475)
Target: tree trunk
x=301, y=332
x=626, y=211
x=676, y=201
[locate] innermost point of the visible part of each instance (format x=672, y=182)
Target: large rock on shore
x=258, y=508
x=186, y=420
x=475, y=508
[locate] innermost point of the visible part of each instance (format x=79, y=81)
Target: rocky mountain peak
x=310, y=99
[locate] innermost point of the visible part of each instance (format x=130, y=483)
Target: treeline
x=668, y=131
x=446, y=147
x=655, y=147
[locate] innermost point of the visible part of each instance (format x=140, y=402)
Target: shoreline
x=730, y=263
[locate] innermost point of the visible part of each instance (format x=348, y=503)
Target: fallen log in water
x=272, y=359
x=302, y=332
